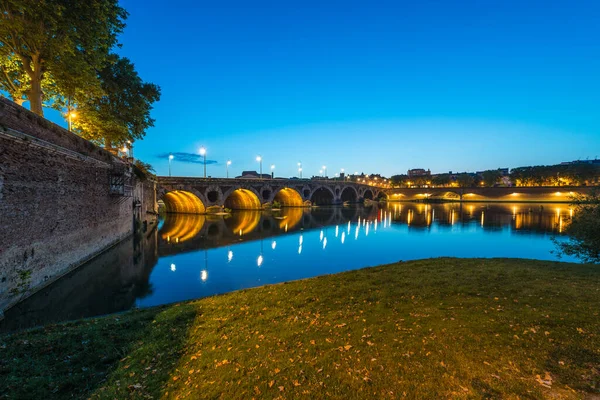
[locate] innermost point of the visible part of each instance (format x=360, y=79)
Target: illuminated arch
x=289, y=197
x=322, y=196
x=180, y=201
x=349, y=194
x=242, y=199
x=179, y=228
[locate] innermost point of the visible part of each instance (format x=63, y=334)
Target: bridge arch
x=289, y=197
x=368, y=194
x=349, y=194
x=242, y=199
x=323, y=195
x=184, y=202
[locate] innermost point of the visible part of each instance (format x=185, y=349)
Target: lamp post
x=72, y=115
x=203, y=154
x=170, y=158
x=321, y=172
x=227, y=167
x=300, y=168
x=259, y=159
x=272, y=171
x=325, y=169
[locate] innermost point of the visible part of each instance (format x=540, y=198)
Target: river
x=192, y=256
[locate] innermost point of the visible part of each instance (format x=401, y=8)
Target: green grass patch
x=438, y=328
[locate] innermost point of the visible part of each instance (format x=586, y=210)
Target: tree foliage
x=59, y=53
x=584, y=230
x=122, y=112
x=576, y=174
x=66, y=40
x=465, y=180
x=491, y=177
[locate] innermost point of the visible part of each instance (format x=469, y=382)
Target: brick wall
x=56, y=210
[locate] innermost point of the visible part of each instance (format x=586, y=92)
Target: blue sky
x=374, y=87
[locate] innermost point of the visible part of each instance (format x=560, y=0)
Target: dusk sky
x=369, y=86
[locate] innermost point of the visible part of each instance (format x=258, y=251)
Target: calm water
x=191, y=256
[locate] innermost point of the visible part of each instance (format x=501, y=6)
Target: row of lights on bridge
x=259, y=159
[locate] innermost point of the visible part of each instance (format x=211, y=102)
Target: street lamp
x=170, y=158
x=203, y=154
x=72, y=114
x=272, y=169
x=321, y=172
x=227, y=164
x=325, y=169
x=300, y=168
x=259, y=159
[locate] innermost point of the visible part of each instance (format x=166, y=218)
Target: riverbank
x=437, y=328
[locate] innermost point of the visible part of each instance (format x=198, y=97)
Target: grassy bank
x=439, y=328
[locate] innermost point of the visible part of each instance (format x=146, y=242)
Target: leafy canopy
x=584, y=230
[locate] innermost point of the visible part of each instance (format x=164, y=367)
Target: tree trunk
x=35, y=93
x=35, y=96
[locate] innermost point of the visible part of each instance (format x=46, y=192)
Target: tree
x=441, y=180
x=491, y=177
x=44, y=38
x=398, y=180
x=465, y=180
x=122, y=112
x=584, y=230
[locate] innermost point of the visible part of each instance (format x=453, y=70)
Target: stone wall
x=56, y=207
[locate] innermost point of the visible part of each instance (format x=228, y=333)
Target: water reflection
x=112, y=282
x=192, y=256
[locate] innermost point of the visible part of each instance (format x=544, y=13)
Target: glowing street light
x=72, y=114
x=321, y=172
x=325, y=169
x=272, y=171
x=259, y=159
x=170, y=158
x=300, y=168
x=227, y=167
x=203, y=154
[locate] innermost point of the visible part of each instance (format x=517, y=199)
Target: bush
x=584, y=230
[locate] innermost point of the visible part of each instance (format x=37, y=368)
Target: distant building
x=594, y=161
x=418, y=172
x=253, y=175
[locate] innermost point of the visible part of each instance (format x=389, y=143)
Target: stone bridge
x=509, y=194
x=195, y=195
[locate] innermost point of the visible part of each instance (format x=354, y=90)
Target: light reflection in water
x=426, y=230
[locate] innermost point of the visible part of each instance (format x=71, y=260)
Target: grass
x=438, y=328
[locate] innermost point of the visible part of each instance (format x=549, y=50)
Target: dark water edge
x=109, y=283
